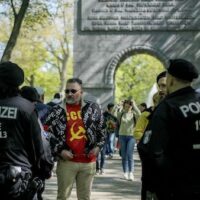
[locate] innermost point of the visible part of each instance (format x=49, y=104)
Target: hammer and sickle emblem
x=77, y=135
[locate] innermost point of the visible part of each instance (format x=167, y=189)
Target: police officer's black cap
x=11, y=74
x=182, y=69
x=29, y=93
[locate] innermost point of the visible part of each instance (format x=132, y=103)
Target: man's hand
x=66, y=155
x=94, y=151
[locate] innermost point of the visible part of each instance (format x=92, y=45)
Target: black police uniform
x=20, y=146
x=170, y=147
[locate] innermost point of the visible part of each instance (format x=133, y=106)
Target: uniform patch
x=196, y=146
x=193, y=107
x=147, y=136
x=8, y=112
x=3, y=134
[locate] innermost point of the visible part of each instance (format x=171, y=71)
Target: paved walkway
x=109, y=186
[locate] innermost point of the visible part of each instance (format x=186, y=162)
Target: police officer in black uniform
x=20, y=137
x=172, y=138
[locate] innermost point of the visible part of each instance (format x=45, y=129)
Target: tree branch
x=13, y=8
x=15, y=31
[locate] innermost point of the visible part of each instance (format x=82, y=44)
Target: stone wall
x=107, y=31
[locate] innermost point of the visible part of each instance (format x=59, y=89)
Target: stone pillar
x=107, y=32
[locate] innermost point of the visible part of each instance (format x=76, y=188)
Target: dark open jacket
x=94, y=123
x=22, y=144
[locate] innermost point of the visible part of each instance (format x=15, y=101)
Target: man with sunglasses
x=85, y=136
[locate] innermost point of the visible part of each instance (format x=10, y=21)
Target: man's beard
x=162, y=94
x=70, y=100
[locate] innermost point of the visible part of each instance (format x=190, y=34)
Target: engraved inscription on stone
x=140, y=15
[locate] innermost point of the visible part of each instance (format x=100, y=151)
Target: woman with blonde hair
x=143, y=120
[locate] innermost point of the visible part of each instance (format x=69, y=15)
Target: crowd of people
x=75, y=133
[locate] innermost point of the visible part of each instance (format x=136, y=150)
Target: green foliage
x=48, y=80
x=37, y=13
x=42, y=26
x=136, y=76
x=30, y=53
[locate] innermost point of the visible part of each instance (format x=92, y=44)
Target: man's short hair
x=161, y=75
x=40, y=91
x=110, y=105
x=29, y=93
x=75, y=80
x=144, y=105
x=57, y=96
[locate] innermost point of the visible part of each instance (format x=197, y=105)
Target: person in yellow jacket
x=143, y=119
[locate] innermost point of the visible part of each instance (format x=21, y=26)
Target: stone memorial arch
x=106, y=32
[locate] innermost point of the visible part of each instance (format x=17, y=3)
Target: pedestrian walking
x=57, y=100
x=111, y=128
x=127, y=119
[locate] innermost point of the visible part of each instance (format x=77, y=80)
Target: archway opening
x=135, y=77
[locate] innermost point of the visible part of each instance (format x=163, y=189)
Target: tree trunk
x=18, y=19
x=63, y=73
